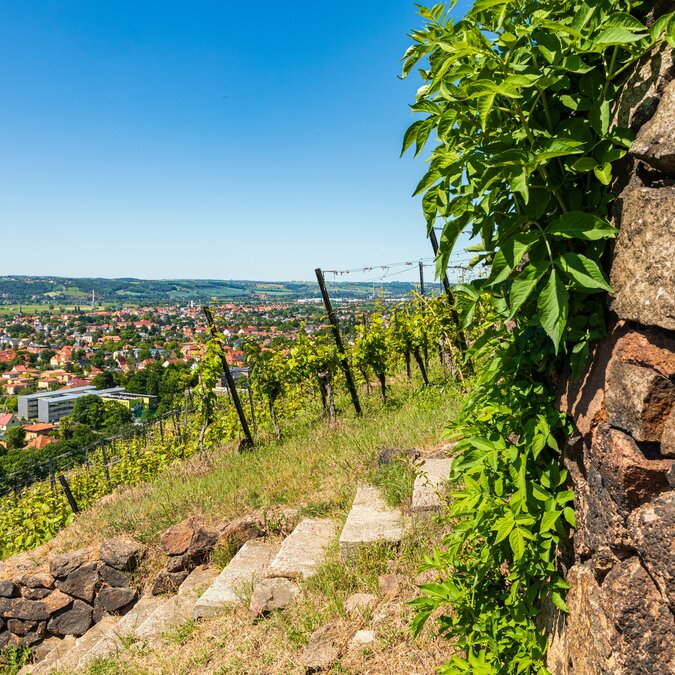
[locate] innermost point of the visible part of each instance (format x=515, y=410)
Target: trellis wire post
x=338, y=340
x=104, y=456
x=52, y=481
x=228, y=376
x=421, y=278
x=69, y=494
x=250, y=403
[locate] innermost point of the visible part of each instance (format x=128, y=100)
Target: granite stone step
x=126, y=627
x=304, y=550
x=177, y=609
x=229, y=587
x=428, y=490
x=371, y=520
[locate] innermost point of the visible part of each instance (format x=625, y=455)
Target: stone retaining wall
x=621, y=568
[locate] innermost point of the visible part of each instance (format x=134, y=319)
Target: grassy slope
x=316, y=469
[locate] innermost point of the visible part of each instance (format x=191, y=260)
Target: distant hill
x=71, y=291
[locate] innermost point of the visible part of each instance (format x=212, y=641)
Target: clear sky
x=220, y=139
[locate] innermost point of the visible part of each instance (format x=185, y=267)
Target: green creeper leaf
x=548, y=520
x=570, y=517
x=524, y=285
x=604, y=173
x=553, y=308
x=410, y=135
x=584, y=164
x=617, y=36
x=580, y=225
x=519, y=183
x=517, y=542
x=557, y=600
x=584, y=272
x=503, y=528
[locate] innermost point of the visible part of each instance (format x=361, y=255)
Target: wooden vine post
x=228, y=377
x=338, y=341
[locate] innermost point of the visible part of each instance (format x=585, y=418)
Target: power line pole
x=338, y=340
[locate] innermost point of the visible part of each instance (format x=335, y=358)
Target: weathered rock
x=647, y=347
x=35, y=593
x=168, y=582
x=179, y=563
x=638, y=400
x=27, y=610
x=37, y=634
x=73, y=621
x=113, y=577
x=176, y=540
x=362, y=638
x=668, y=436
x=8, y=639
x=61, y=566
x=272, y=594
x=43, y=649
x=591, y=635
x=303, y=551
x=630, y=478
x=81, y=583
x=121, y=553
x=645, y=625
x=237, y=579
x=203, y=542
x=19, y=627
x=642, y=276
x=111, y=600
x=38, y=580
x=358, y=603
x=655, y=142
x=57, y=601
x=318, y=656
x=642, y=90
x=8, y=589
x=389, y=585
x=237, y=532
x=652, y=527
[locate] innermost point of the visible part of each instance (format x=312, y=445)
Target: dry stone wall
x=69, y=594
x=621, y=566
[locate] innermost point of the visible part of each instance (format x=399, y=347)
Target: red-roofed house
x=40, y=442
x=7, y=420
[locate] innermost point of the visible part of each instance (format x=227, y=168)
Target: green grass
x=316, y=468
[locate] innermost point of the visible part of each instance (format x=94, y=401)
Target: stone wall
x=621, y=566
x=68, y=594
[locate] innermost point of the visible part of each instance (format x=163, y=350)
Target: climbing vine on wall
x=517, y=100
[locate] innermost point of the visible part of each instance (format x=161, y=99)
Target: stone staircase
x=266, y=571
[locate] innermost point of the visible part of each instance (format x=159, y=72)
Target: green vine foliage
x=518, y=99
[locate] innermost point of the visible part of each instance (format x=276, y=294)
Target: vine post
x=338, y=340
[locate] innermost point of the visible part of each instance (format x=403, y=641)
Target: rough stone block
x=303, y=551
x=655, y=142
x=638, y=400
x=81, y=583
x=630, y=478
x=61, y=566
x=238, y=578
x=273, y=594
x=121, y=553
x=358, y=603
x=668, y=436
x=652, y=527
x=27, y=610
x=74, y=621
x=643, y=276
x=168, y=582
x=8, y=589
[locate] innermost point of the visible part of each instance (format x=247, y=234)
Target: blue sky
x=205, y=139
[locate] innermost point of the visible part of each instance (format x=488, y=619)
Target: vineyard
x=296, y=384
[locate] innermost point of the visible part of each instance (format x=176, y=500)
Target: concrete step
x=371, y=520
x=228, y=589
x=429, y=484
x=177, y=609
x=304, y=550
x=126, y=627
